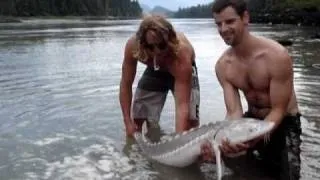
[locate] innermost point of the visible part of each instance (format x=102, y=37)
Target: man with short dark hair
x=262, y=69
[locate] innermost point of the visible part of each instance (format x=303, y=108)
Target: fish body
x=184, y=148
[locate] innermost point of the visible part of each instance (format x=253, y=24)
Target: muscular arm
x=182, y=88
x=233, y=106
x=129, y=66
x=281, y=86
x=231, y=94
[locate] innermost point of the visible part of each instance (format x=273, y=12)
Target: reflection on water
x=59, y=111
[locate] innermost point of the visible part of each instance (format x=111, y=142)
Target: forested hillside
x=199, y=11
x=116, y=8
x=306, y=12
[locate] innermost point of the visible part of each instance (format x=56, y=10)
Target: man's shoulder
x=183, y=41
x=223, y=61
x=132, y=41
x=130, y=49
x=131, y=45
x=185, y=47
x=181, y=35
x=226, y=56
x=271, y=51
x=272, y=47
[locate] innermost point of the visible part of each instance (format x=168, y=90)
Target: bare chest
x=248, y=77
x=162, y=63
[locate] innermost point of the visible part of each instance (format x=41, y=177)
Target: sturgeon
x=184, y=148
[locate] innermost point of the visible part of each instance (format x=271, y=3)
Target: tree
x=122, y=8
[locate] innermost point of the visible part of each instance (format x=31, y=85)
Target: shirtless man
x=170, y=65
x=262, y=69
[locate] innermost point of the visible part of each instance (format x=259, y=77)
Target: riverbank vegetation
x=306, y=12
x=107, y=8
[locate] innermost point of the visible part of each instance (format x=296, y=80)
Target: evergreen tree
x=118, y=8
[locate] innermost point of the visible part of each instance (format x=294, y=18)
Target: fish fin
x=218, y=160
x=144, y=133
x=144, y=128
x=266, y=138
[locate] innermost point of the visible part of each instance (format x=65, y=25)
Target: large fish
x=184, y=148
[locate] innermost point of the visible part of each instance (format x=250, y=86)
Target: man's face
x=155, y=43
x=230, y=25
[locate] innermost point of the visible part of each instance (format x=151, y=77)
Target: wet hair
x=240, y=6
x=163, y=28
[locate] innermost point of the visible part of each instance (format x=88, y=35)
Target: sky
x=173, y=4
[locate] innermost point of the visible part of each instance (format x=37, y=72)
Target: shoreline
x=20, y=19
x=14, y=19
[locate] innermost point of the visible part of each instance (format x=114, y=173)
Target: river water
x=59, y=112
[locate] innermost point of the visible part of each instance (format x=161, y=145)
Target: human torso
x=252, y=77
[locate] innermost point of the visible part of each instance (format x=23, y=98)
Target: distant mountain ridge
x=173, y=5
x=145, y=8
x=162, y=11
x=157, y=10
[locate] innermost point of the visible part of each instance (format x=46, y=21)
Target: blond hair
x=163, y=28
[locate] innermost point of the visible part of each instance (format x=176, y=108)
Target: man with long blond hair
x=170, y=65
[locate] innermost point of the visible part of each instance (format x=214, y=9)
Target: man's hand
x=253, y=142
x=228, y=148
x=207, y=153
x=131, y=128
